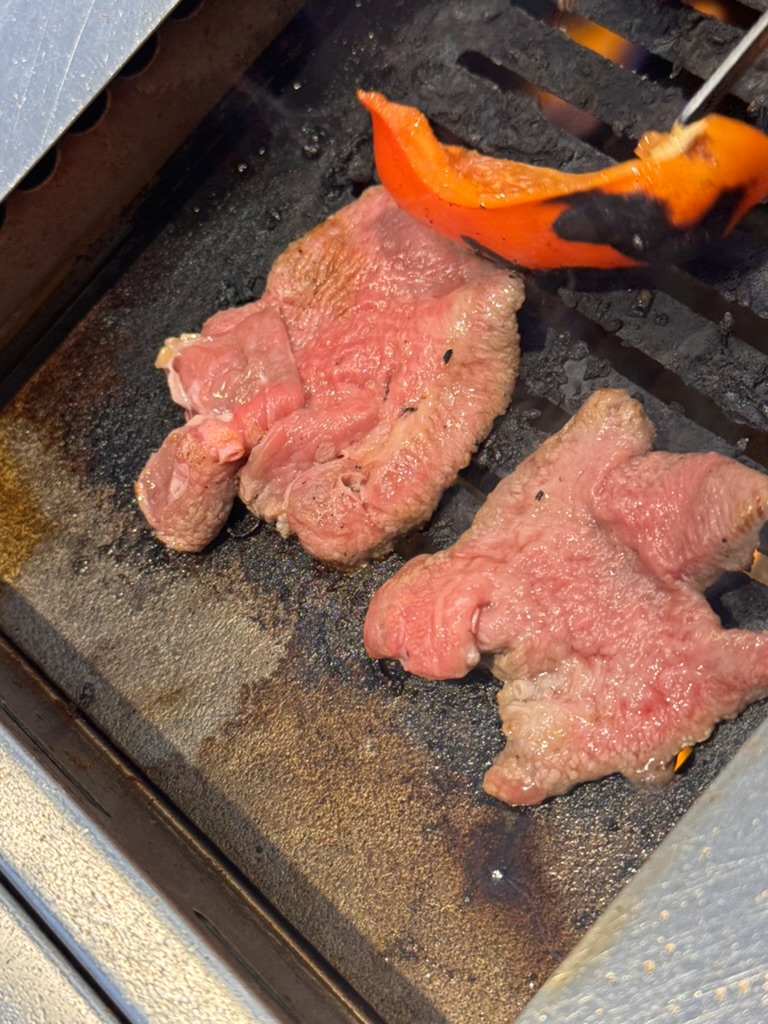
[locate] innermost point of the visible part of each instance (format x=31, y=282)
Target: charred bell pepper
x=686, y=188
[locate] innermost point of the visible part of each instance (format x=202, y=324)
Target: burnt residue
x=693, y=44
x=347, y=790
x=640, y=226
x=504, y=878
x=24, y=524
x=584, y=354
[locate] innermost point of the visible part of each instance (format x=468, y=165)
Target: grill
x=339, y=799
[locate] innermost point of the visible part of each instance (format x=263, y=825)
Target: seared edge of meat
x=187, y=487
x=234, y=379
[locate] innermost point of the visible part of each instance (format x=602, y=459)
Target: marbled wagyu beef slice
x=580, y=584
x=343, y=402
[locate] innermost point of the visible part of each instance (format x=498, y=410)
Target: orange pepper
x=686, y=188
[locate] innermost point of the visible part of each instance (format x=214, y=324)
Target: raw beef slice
x=580, y=583
x=352, y=392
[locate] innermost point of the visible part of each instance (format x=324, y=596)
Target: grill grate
x=348, y=792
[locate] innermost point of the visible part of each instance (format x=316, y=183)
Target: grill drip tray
x=235, y=680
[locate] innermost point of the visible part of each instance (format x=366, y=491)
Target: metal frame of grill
x=282, y=150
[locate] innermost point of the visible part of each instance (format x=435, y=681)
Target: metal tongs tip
x=739, y=60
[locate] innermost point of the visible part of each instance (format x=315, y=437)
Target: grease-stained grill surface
x=347, y=791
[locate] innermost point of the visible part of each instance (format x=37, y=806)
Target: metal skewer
x=733, y=67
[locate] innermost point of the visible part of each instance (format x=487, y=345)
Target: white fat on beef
x=580, y=583
x=358, y=386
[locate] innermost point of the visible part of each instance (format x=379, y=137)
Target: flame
x=600, y=40
x=681, y=757
x=712, y=8
x=759, y=568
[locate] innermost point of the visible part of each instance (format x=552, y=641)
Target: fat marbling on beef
x=345, y=400
x=580, y=583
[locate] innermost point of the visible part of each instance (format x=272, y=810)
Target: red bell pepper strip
x=686, y=188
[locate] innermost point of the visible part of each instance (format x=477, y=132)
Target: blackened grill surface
x=348, y=791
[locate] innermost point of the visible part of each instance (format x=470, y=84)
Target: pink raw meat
x=234, y=379
x=580, y=583
x=360, y=384
x=187, y=488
